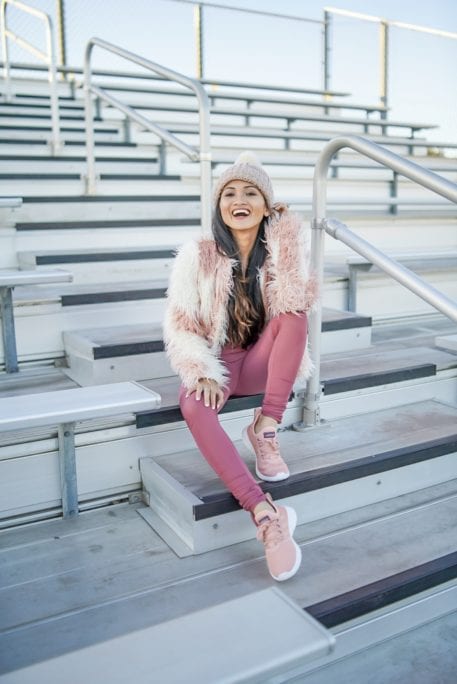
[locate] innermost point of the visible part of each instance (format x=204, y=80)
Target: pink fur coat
x=196, y=317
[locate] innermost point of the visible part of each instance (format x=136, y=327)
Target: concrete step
x=340, y=466
x=103, y=355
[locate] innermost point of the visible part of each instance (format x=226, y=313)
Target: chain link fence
x=244, y=47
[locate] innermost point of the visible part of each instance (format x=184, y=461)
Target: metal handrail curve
x=321, y=225
x=204, y=153
x=49, y=57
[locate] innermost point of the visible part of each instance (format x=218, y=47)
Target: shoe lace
x=269, y=449
x=270, y=532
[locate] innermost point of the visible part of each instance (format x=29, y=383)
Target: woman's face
x=242, y=206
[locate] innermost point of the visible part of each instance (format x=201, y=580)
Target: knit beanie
x=246, y=168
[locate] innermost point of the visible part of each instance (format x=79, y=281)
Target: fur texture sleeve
x=291, y=286
x=186, y=344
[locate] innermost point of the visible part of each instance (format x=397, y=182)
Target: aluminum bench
x=9, y=279
x=63, y=408
x=174, y=651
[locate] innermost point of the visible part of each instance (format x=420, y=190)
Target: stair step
x=339, y=466
x=381, y=543
x=447, y=342
x=89, y=211
x=299, y=640
x=341, y=373
x=363, y=600
x=106, y=354
x=63, y=176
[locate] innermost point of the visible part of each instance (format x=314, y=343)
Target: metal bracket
x=67, y=460
x=317, y=224
x=8, y=332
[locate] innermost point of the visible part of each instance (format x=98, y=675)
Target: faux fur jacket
x=196, y=318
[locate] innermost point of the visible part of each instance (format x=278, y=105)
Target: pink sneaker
x=275, y=530
x=269, y=464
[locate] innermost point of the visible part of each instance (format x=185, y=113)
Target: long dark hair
x=245, y=307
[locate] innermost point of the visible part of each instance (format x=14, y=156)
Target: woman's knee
x=193, y=410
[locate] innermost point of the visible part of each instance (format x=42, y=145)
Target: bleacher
x=151, y=542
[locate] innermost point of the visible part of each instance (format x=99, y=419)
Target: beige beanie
x=247, y=168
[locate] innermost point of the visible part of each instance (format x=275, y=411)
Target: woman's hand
x=211, y=391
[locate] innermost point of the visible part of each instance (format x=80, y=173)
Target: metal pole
x=8, y=332
x=424, y=177
x=60, y=14
x=89, y=118
x=198, y=25
x=205, y=162
x=5, y=53
x=327, y=28
x=384, y=65
x=67, y=460
x=400, y=273
x=51, y=52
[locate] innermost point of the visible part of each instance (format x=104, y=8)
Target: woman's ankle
x=265, y=506
x=264, y=422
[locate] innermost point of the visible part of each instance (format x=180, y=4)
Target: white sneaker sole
x=261, y=476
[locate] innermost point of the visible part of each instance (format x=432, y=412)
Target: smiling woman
x=236, y=324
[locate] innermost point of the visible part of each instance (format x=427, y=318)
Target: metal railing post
x=5, y=53
x=49, y=57
x=51, y=50
x=319, y=224
x=327, y=50
x=384, y=65
x=203, y=155
x=89, y=120
x=198, y=27
x=61, y=32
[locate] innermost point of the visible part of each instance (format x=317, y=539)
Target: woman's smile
x=242, y=206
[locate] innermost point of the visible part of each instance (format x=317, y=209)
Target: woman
x=236, y=324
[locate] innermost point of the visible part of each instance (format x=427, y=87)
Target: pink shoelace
x=269, y=449
x=270, y=532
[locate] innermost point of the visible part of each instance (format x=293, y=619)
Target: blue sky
x=250, y=48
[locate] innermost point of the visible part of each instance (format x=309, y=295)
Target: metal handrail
x=320, y=225
x=49, y=57
x=203, y=155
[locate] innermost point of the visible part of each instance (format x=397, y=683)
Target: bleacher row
x=389, y=383
x=119, y=246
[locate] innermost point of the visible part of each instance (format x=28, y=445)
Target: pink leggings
x=269, y=366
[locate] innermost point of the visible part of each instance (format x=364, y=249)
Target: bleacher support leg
x=352, y=289
x=67, y=461
x=8, y=332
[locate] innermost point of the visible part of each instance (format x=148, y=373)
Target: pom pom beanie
x=246, y=168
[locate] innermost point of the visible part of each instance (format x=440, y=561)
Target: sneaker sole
x=292, y=523
x=261, y=476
